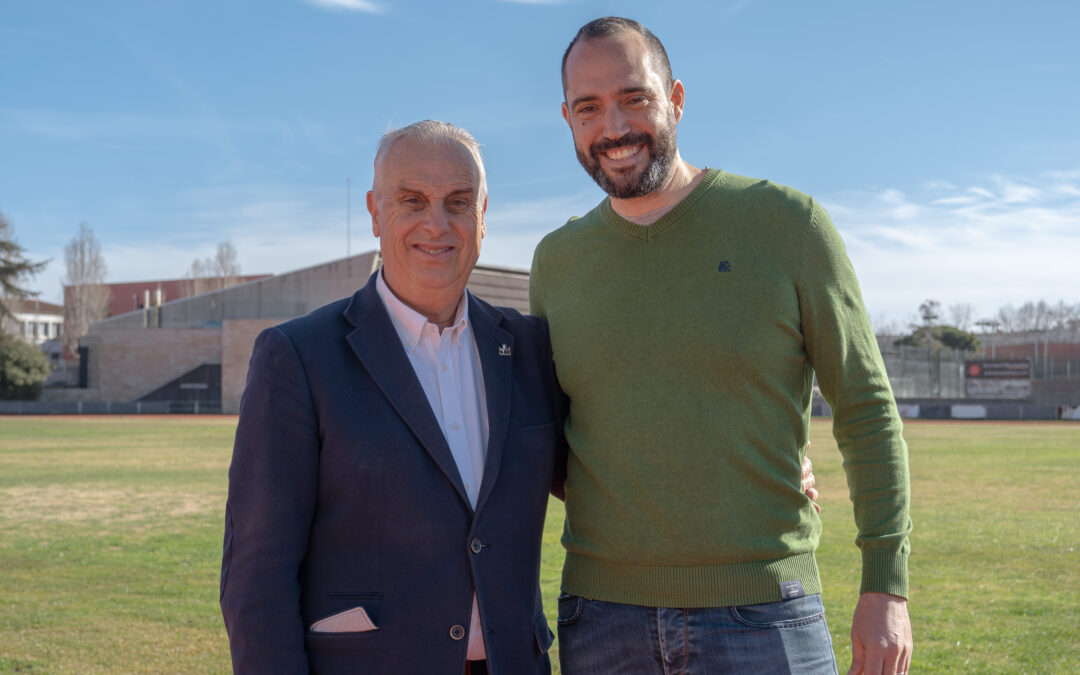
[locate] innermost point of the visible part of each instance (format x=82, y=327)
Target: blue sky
x=943, y=137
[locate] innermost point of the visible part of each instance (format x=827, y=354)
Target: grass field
x=110, y=544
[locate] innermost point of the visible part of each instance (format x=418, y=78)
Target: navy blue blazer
x=343, y=493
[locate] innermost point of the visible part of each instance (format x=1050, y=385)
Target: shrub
x=23, y=369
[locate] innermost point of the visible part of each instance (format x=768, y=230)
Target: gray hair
x=434, y=133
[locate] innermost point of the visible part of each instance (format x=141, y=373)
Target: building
x=194, y=351
x=35, y=321
x=128, y=296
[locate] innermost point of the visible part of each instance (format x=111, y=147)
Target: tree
x=940, y=337
x=86, y=297
x=961, y=314
x=15, y=269
x=211, y=274
x=23, y=369
x=957, y=338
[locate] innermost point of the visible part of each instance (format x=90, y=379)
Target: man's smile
x=624, y=152
x=432, y=250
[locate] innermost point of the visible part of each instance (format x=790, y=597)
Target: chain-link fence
x=921, y=372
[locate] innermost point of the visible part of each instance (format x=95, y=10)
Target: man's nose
x=437, y=221
x=616, y=124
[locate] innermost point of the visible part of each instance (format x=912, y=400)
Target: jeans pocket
x=784, y=614
x=570, y=607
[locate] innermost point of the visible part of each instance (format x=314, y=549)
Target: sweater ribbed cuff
x=884, y=571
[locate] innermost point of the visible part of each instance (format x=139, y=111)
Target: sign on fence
x=997, y=379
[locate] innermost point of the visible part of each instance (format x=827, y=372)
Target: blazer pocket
x=365, y=640
x=341, y=601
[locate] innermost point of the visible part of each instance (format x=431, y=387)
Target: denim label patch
x=791, y=590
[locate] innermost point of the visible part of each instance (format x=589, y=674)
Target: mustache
x=630, y=139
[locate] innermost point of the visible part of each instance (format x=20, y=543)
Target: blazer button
x=457, y=632
x=475, y=545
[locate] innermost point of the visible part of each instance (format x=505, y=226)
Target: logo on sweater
x=724, y=266
x=504, y=350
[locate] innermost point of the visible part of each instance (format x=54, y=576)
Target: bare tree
x=961, y=315
x=225, y=266
x=1036, y=317
x=195, y=280
x=86, y=297
x=211, y=274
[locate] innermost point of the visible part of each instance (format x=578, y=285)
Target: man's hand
x=880, y=636
x=808, y=480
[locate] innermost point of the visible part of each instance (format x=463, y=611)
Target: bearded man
x=689, y=313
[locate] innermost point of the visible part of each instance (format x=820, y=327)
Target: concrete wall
x=125, y=365
x=237, y=341
x=133, y=354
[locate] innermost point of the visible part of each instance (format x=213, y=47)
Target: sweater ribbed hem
x=748, y=583
x=884, y=571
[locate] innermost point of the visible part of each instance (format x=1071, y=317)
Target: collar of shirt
x=410, y=324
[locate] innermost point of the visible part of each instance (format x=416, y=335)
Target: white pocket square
x=355, y=620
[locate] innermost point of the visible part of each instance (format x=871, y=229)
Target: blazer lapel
x=496, y=348
x=376, y=344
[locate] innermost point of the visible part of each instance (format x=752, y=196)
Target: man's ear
x=566, y=115
x=678, y=98
x=373, y=209
x=483, y=223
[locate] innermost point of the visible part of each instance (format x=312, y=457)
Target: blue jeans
x=597, y=637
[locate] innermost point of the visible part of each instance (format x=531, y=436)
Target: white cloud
x=515, y=228
x=974, y=244
x=349, y=5
x=1005, y=240
x=1016, y=192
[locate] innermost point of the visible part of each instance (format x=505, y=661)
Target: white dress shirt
x=448, y=367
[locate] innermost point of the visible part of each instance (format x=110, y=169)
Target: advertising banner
x=998, y=379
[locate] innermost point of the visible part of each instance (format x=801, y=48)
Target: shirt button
x=457, y=632
x=444, y=366
x=475, y=545
x=454, y=426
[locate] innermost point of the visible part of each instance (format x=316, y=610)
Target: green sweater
x=688, y=349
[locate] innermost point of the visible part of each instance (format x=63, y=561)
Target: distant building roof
x=32, y=306
x=127, y=296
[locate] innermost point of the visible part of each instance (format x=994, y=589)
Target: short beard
x=662, y=149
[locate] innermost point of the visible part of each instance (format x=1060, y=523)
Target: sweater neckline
x=668, y=220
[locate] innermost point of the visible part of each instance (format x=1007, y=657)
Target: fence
x=920, y=372
x=109, y=407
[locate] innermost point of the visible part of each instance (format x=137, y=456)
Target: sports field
x=110, y=544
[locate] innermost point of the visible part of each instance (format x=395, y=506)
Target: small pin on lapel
x=504, y=350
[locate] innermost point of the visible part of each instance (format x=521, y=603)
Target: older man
x=394, y=454
x=689, y=313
